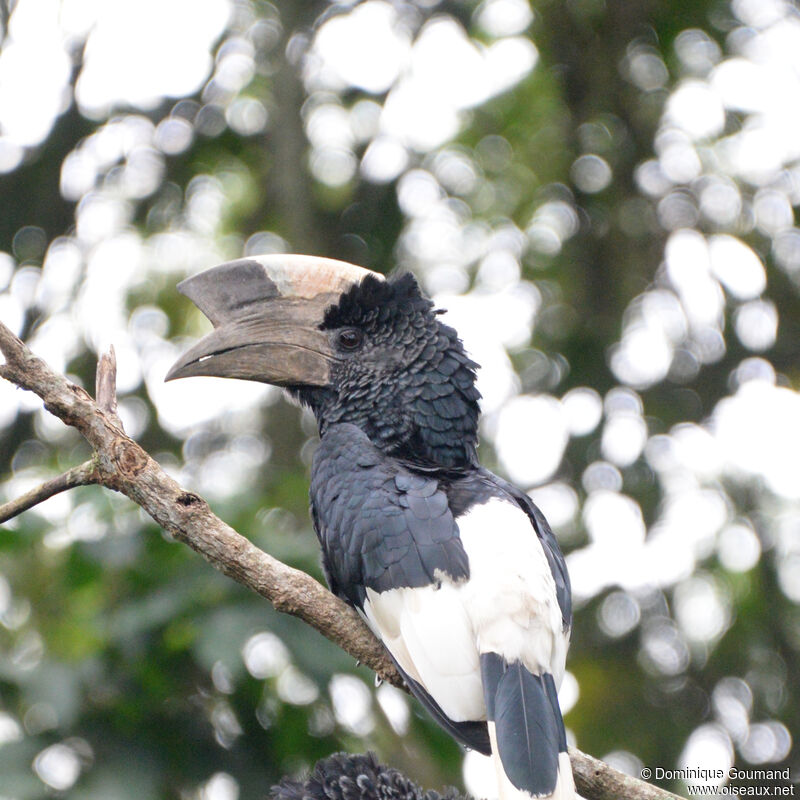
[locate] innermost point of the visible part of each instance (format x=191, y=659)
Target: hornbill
x=453, y=568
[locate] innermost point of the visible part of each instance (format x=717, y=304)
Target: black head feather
x=374, y=300
x=407, y=382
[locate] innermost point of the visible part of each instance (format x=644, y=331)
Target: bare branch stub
x=123, y=465
x=106, y=385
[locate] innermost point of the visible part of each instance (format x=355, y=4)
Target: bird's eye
x=350, y=339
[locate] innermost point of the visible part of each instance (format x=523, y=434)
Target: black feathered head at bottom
x=355, y=777
x=351, y=345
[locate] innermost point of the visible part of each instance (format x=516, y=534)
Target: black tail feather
x=528, y=725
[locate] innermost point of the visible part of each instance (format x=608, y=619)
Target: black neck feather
x=412, y=391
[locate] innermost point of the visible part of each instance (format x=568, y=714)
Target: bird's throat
x=407, y=428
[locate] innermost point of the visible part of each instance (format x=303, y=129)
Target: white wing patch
x=510, y=596
x=508, y=606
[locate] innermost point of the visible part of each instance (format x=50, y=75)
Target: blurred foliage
x=128, y=667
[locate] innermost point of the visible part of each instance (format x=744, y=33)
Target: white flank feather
x=510, y=596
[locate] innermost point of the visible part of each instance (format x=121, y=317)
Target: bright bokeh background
x=602, y=197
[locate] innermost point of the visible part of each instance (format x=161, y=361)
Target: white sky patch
x=584, y=410
x=760, y=150
x=619, y=553
x=767, y=743
x=720, y=200
x=691, y=519
x=508, y=61
x=645, y=68
x=624, y=438
x=568, y=692
x=789, y=576
x=112, y=268
x=678, y=156
x=424, y=106
x=763, y=81
x=296, y=688
x=352, y=704
x=732, y=701
x=600, y=475
x=56, y=340
x=137, y=54
x=697, y=109
x=696, y=450
x=504, y=17
x=756, y=324
x=741, y=84
x=384, y=160
x=688, y=264
x=593, y=568
x=394, y=705
x=58, y=766
x=531, y=438
x=737, y=267
x=773, y=212
x=709, y=751
x=220, y=786
x=35, y=70
x=614, y=520
x=418, y=117
x=328, y=124
x=552, y=223
x=702, y=608
x=738, y=547
x=619, y=614
x=10, y=729
x=643, y=356
x=591, y=173
x=189, y=402
x=265, y=655
x=382, y=51
x=480, y=779
x=758, y=432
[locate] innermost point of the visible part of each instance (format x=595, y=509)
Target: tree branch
x=121, y=464
x=124, y=466
x=82, y=475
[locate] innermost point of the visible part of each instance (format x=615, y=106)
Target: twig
x=106, y=385
x=82, y=475
x=124, y=466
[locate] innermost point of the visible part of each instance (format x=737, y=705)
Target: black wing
x=382, y=526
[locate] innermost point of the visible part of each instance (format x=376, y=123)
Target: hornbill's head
x=351, y=345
